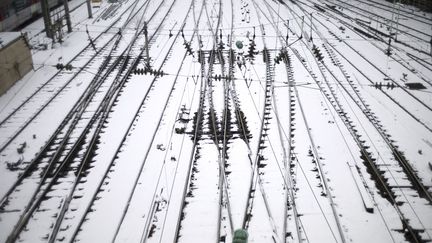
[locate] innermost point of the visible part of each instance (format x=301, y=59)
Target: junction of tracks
x=182, y=121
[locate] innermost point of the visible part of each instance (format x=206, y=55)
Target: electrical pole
x=398, y=17
x=310, y=37
x=67, y=15
x=301, y=35
x=89, y=9
x=390, y=30
x=146, y=45
x=47, y=18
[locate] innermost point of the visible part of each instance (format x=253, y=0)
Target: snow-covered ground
x=183, y=121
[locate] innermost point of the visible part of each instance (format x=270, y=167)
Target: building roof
x=7, y=37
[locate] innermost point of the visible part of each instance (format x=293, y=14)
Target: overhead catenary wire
x=288, y=85
x=299, y=164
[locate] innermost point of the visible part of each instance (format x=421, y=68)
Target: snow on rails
x=185, y=121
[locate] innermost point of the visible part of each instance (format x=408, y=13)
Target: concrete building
x=15, y=59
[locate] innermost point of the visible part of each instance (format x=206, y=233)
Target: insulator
x=59, y=66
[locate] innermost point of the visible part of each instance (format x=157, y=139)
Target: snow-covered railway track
x=322, y=175
x=356, y=97
x=395, y=56
x=290, y=158
x=149, y=162
x=391, y=190
x=386, y=175
x=61, y=136
x=402, y=11
x=163, y=204
x=286, y=137
x=267, y=187
x=71, y=229
x=15, y=124
x=422, y=100
x=364, y=107
x=220, y=117
x=409, y=112
x=326, y=9
x=87, y=108
x=258, y=163
x=313, y=152
x=390, y=23
x=404, y=58
x=199, y=129
x=382, y=46
x=94, y=56
x=206, y=139
x=63, y=152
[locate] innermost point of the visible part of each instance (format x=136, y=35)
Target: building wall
x=15, y=62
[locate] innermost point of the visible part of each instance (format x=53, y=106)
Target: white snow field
x=185, y=120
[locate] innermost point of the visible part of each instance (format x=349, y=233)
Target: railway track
x=374, y=65
x=365, y=107
x=206, y=116
x=159, y=208
x=170, y=178
x=72, y=118
x=226, y=229
x=361, y=102
x=313, y=152
x=109, y=167
x=155, y=204
x=402, y=11
x=383, y=73
x=404, y=61
x=15, y=117
x=55, y=171
x=395, y=56
x=257, y=187
x=229, y=91
x=376, y=33
x=365, y=152
x=348, y=123
x=365, y=29
x=393, y=24
x=286, y=141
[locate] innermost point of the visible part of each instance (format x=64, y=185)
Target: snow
x=119, y=156
x=8, y=37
